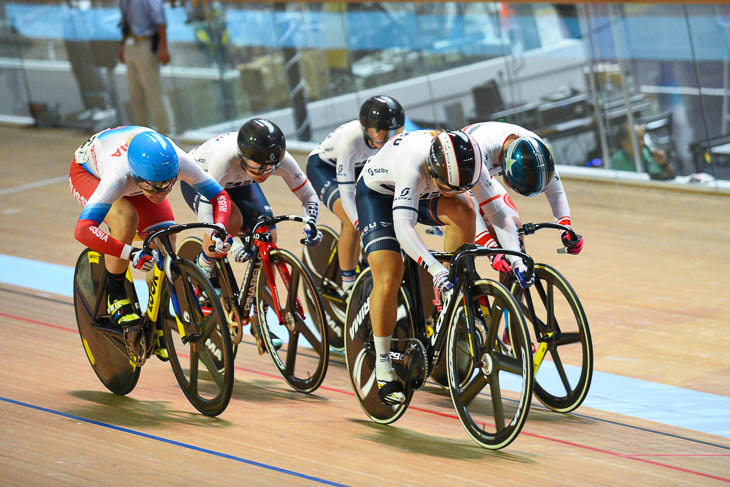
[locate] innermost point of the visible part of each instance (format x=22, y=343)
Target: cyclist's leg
x=122, y=219
x=348, y=246
x=457, y=212
x=383, y=253
x=324, y=180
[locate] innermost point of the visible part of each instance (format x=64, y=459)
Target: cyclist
x=419, y=176
x=527, y=165
x=334, y=165
x=240, y=162
x=122, y=176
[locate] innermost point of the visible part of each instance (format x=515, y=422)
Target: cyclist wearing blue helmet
x=527, y=166
x=122, y=177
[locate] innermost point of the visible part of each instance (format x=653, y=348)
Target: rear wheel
x=564, y=351
x=103, y=342
x=321, y=262
x=198, y=341
x=360, y=350
x=303, y=358
x=492, y=393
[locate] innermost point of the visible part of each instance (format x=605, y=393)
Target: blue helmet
x=153, y=161
x=528, y=166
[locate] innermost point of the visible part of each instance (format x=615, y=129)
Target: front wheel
x=198, y=342
x=490, y=388
x=303, y=357
x=360, y=350
x=564, y=350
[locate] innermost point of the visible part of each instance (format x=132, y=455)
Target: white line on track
x=42, y=182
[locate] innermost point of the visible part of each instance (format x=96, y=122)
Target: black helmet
x=528, y=166
x=261, y=141
x=382, y=113
x=455, y=161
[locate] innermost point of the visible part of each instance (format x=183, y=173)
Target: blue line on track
x=172, y=442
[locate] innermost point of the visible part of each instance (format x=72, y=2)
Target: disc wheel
x=103, y=342
x=198, y=342
x=303, y=358
x=493, y=399
x=321, y=262
x=564, y=350
x=360, y=350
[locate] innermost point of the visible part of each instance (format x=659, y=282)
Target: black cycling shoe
x=391, y=393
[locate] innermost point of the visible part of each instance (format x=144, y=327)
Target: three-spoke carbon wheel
x=103, y=342
x=563, y=347
x=198, y=341
x=322, y=263
x=490, y=388
x=360, y=350
x=303, y=357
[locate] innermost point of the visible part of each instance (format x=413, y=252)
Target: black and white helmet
x=382, y=113
x=455, y=161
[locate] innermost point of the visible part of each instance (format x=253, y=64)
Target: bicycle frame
x=462, y=271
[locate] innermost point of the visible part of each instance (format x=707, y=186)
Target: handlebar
x=477, y=251
x=267, y=221
x=146, y=246
x=530, y=228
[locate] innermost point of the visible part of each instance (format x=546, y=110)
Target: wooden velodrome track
x=652, y=278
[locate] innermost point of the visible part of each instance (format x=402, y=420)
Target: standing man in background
x=144, y=49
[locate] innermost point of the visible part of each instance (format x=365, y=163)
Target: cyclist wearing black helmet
x=422, y=177
x=527, y=165
x=239, y=162
x=333, y=167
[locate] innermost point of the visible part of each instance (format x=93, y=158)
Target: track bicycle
x=173, y=320
x=563, y=356
x=283, y=298
x=490, y=387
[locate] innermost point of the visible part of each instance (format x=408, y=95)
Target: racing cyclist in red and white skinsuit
x=122, y=177
x=495, y=139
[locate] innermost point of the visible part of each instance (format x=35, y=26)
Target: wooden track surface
x=652, y=279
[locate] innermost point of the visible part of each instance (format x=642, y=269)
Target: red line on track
x=451, y=416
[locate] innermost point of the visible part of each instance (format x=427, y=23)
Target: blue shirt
x=142, y=16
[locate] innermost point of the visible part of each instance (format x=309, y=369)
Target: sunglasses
x=261, y=170
x=156, y=186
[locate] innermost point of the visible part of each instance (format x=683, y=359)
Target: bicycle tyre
x=553, y=386
x=209, y=392
x=360, y=351
x=328, y=280
x=302, y=367
x=492, y=420
x=113, y=369
x=189, y=249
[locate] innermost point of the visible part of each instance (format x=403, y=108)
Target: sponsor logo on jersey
x=378, y=170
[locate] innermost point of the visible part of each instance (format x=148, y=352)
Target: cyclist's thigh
x=324, y=179
x=151, y=215
x=375, y=220
x=82, y=183
x=252, y=203
x=428, y=212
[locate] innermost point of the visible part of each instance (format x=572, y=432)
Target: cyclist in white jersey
x=239, y=162
x=122, y=176
x=527, y=166
x=334, y=165
x=419, y=176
